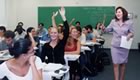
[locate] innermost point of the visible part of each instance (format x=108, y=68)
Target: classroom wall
x=3, y=13
x=26, y=11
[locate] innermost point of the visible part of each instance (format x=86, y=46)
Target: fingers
x=62, y=11
x=32, y=59
x=55, y=13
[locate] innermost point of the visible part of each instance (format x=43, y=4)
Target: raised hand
x=102, y=27
x=54, y=14
x=62, y=13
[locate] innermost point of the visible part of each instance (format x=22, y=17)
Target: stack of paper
x=126, y=44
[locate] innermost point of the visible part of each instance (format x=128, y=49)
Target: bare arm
x=37, y=74
x=53, y=19
x=71, y=21
x=32, y=40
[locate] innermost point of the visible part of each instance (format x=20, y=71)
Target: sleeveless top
x=71, y=46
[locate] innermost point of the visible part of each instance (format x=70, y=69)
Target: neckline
x=16, y=74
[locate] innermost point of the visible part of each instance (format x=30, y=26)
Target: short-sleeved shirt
x=89, y=36
x=4, y=71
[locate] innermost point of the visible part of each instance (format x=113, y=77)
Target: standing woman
x=120, y=26
x=54, y=49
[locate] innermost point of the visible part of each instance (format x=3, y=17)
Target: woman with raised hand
x=24, y=65
x=120, y=26
x=54, y=49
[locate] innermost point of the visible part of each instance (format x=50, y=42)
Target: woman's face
x=84, y=31
x=29, y=53
x=1, y=33
x=119, y=14
x=33, y=32
x=74, y=33
x=54, y=34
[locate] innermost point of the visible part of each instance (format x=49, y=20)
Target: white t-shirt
x=4, y=71
x=83, y=38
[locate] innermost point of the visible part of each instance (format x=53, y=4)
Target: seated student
x=73, y=47
x=54, y=49
x=42, y=32
x=77, y=24
x=20, y=33
x=8, y=40
x=89, y=35
x=2, y=31
x=20, y=25
x=81, y=35
x=24, y=65
x=97, y=31
x=31, y=35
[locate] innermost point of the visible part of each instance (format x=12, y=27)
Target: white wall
x=3, y=13
x=26, y=11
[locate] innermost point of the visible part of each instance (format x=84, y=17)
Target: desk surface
x=90, y=43
x=54, y=70
x=4, y=55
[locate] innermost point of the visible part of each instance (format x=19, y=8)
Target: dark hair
x=98, y=25
x=28, y=30
x=77, y=22
x=3, y=28
x=125, y=13
x=9, y=34
x=20, y=23
x=21, y=46
x=41, y=24
x=19, y=29
x=89, y=27
x=79, y=29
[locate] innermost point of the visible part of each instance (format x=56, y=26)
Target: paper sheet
x=85, y=48
x=52, y=66
x=126, y=44
x=70, y=57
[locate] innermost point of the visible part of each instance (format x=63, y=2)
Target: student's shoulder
x=2, y=65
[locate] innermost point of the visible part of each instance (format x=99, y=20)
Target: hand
x=102, y=27
x=54, y=14
x=30, y=34
x=128, y=38
x=62, y=11
x=32, y=60
x=73, y=19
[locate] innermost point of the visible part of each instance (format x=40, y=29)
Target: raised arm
x=53, y=19
x=109, y=27
x=66, y=26
x=71, y=21
x=32, y=40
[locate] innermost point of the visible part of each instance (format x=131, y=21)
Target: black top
x=56, y=54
